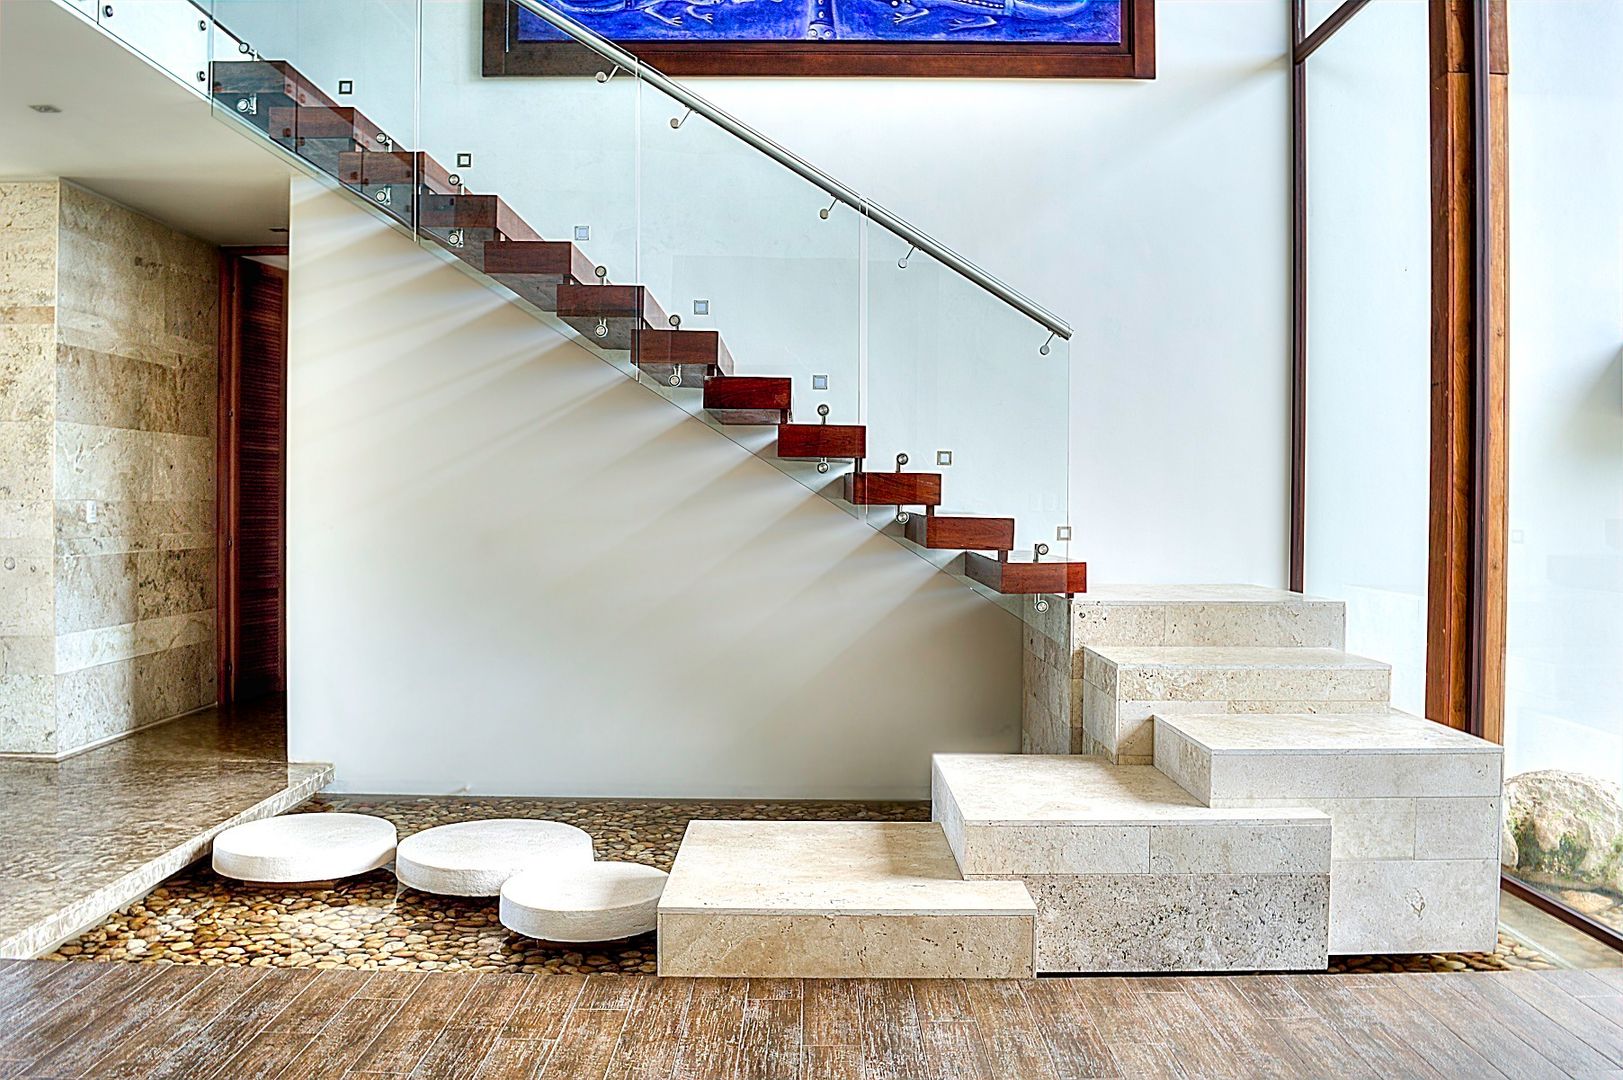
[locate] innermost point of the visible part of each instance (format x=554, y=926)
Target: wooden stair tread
x=558, y=259
x=1021, y=577
x=343, y=122
x=893, y=489
x=623, y=312
x=659, y=350
x=375, y=168
x=816, y=441
x=748, y=399
x=961, y=532
x=483, y=212
x=272, y=78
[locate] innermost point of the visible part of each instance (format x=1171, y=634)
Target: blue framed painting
x=1112, y=39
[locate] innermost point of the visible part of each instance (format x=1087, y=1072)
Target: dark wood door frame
x=1467, y=531
x=228, y=457
x=1465, y=633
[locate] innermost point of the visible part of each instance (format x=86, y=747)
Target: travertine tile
x=1192, y=922
x=27, y=714
x=26, y=449
x=1466, y=828
x=27, y=601
x=95, y=591
x=27, y=372
x=887, y=946
x=1407, y=906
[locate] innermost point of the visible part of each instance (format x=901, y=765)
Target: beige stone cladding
x=1131, y=873
x=108, y=336
x=1414, y=808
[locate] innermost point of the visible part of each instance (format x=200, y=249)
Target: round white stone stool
x=605, y=901
x=474, y=858
x=304, y=847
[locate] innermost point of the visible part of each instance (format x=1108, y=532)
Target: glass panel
x=738, y=248
x=173, y=34
x=332, y=84
x=1564, y=664
x=1369, y=352
x=976, y=395
x=561, y=153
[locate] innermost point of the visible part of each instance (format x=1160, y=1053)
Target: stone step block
x=1414, y=809
x=1154, y=615
x=1130, y=873
x=803, y=899
x=1123, y=686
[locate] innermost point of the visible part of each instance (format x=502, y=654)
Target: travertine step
x=1130, y=873
x=1414, y=808
x=808, y=899
x=1151, y=615
x=1205, y=615
x=1124, y=685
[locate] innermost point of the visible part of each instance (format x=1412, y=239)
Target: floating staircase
x=557, y=277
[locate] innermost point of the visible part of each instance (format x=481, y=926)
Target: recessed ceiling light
x=45, y=108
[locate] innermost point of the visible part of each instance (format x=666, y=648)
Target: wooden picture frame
x=1131, y=58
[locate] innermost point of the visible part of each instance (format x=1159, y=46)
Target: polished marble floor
x=82, y=837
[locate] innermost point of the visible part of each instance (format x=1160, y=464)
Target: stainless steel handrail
x=611, y=52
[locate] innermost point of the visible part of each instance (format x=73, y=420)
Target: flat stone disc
x=474, y=858
x=604, y=901
x=304, y=847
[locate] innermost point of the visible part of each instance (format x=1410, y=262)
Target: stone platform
x=799, y=899
x=1414, y=808
x=1131, y=873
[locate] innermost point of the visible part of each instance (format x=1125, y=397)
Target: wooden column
x=1469, y=166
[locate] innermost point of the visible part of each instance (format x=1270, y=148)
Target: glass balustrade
x=751, y=290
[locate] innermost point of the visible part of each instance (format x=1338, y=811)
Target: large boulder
x=1567, y=828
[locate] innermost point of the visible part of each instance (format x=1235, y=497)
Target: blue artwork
x=1065, y=22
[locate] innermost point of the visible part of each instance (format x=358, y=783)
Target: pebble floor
x=369, y=922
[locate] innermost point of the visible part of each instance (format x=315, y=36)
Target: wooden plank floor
x=127, y=1020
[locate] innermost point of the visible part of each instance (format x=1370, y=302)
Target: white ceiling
x=128, y=132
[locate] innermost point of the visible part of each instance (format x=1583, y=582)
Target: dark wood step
x=394, y=168
x=817, y=441
x=252, y=88
x=961, y=532
x=610, y=316
x=320, y=133
x=464, y=224
x=535, y=268
x=748, y=399
x=691, y=355
x=1022, y=576
x=893, y=489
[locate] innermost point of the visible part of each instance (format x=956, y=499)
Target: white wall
x=512, y=570
x=1369, y=334
x=1152, y=215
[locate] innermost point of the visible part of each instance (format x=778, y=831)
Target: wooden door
x=253, y=479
